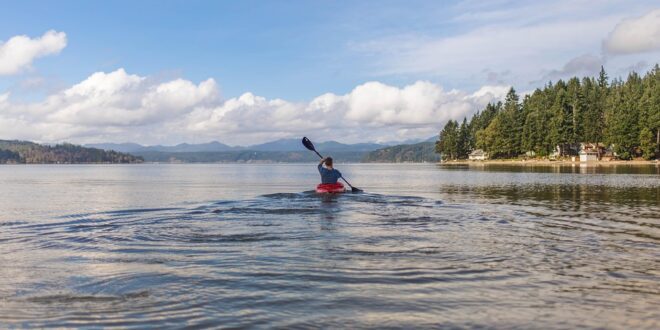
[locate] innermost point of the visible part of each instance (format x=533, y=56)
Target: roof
x=588, y=152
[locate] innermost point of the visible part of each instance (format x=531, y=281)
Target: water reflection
x=577, y=167
x=564, y=196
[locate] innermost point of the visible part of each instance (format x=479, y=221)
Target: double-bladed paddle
x=309, y=145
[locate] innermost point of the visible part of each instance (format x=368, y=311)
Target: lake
x=247, y=245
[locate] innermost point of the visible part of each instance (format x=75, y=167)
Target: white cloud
x=583, y=65
x=3, y=98
x=531, y=41
x=519, y=48
x=18, y=52
x=119, y=107
x=635, y=35
x=121, y=99
x=105, y=104
x=371, y=111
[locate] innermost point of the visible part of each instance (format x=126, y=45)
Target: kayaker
x=328, y=174
x=329, y=177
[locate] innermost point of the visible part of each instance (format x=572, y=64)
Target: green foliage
x=32, y=153
x=647, y=144
x=448, y=144
x=493, y=141
x=414, y=153
x=649, y=118
x=624, y=115
x=9, y=157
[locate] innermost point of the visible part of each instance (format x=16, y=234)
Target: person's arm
x=320, y=167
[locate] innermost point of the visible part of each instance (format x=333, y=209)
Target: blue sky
x=466, y=52
x=289, y=49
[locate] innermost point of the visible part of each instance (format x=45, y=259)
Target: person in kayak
x=329, y=176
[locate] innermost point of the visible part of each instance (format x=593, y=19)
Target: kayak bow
x=330, y=188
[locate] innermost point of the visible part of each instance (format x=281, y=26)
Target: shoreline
x=544, y=162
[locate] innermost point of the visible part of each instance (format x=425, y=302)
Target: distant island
x=24, y=152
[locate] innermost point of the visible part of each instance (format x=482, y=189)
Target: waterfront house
x=478, y=155
x=595, y=151
x=588, y=155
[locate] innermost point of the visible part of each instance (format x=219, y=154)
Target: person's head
x=328, y=162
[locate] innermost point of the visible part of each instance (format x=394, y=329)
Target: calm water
x=140, y=246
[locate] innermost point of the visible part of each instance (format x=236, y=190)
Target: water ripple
x=350, y=261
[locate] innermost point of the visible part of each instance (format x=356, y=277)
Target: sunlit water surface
x=137, y=246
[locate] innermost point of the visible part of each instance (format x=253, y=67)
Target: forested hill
x=24, y=152
x=405, y=153
x=621, y=115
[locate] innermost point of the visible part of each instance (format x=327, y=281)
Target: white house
x=588, y=155
x=478, y=155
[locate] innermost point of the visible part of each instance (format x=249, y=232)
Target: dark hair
x=328, y=161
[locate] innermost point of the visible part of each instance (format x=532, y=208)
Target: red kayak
x=330, y=188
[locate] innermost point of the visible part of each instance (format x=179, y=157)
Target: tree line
x=623, y=115
x=24, y=152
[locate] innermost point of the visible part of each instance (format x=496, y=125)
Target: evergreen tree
x=593, y=115
x=647, y=144
x=577, y=107
x=602, y=78
x=492, y=140
x=622, y=116
x=560, y=123
x=464, y=141
x=649, y=117
x=511, y=125
x=447, y=144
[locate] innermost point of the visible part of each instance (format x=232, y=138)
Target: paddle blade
x=356, y=190
x=308, y=144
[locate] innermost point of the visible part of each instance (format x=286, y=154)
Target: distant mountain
x=183, y=147
x=282, y=150
x=333, y=146
x=278, y=145
x=411, y=141
x=405, y=153
x=121, y=147
x=328, y=146
x=247, y=156
x=281, y=145
x=432, y=139
x=24, y=152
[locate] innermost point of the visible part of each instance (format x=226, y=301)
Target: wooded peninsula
x=620, y=119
